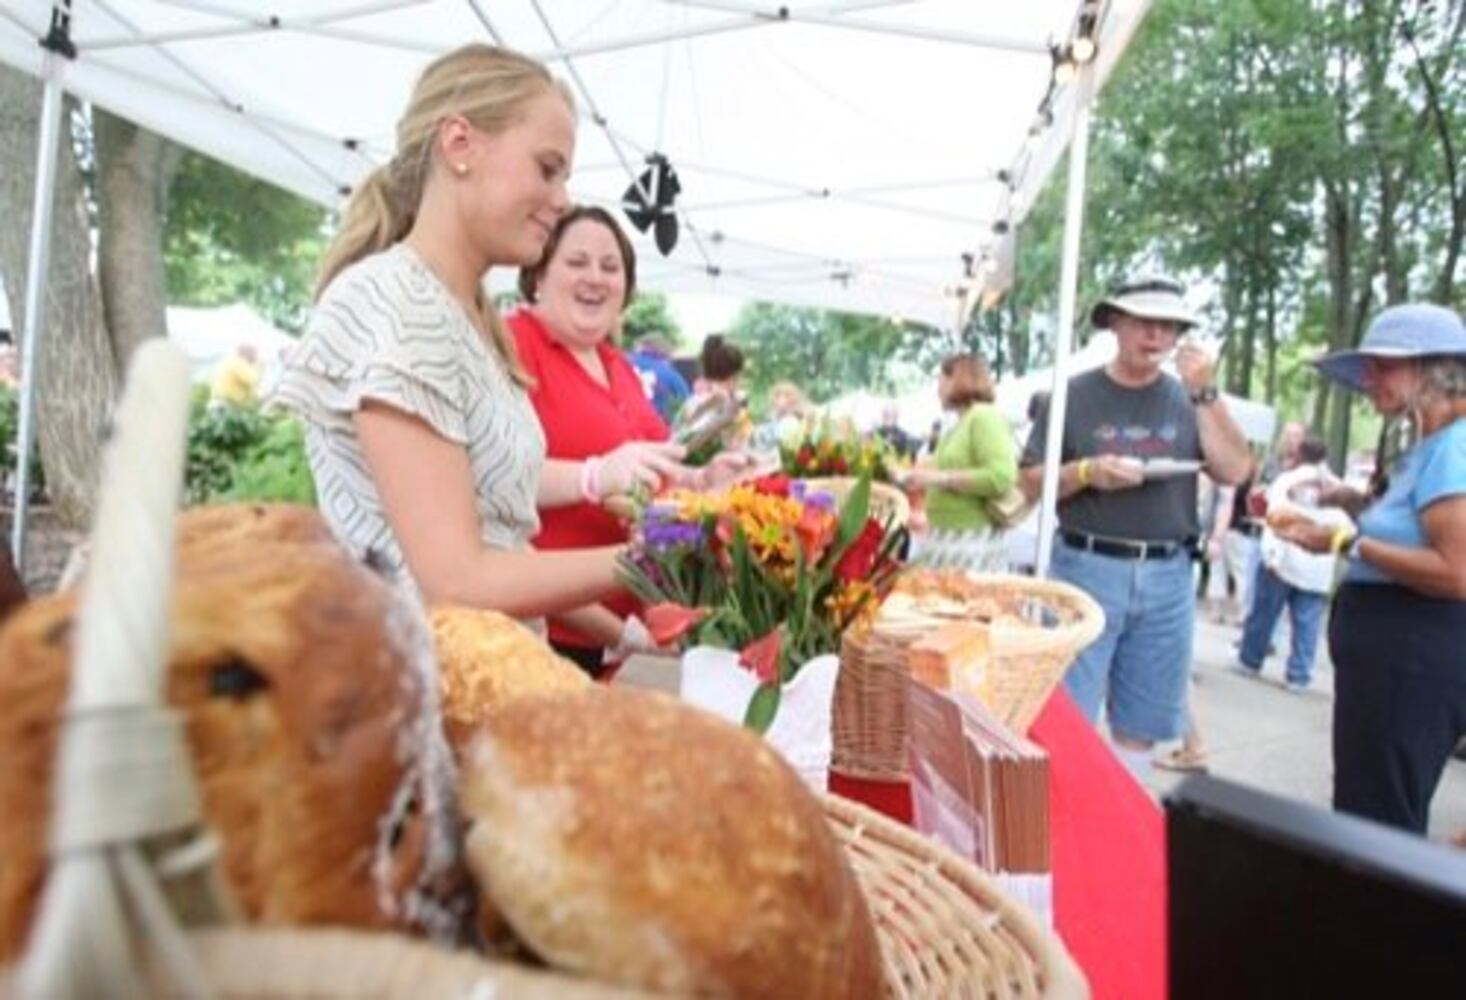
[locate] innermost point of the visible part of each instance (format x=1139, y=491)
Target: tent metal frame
x=1063, y=123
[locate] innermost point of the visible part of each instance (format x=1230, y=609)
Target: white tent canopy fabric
x=1257, y=420
x=865, y=155
x=209, y=335
x=837, y=153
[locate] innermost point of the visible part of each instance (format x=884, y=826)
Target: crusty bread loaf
x=310, y=713
x=939, y=658
x=486, y=660
x=233, y=523
x=634, y=839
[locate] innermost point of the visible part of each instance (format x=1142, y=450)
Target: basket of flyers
x=240, y=763
x=1006, y=639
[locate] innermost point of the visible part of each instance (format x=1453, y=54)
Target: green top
x=982, y=446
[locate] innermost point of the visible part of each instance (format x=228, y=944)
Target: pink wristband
x=590, y=479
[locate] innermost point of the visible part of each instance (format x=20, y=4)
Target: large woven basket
x=887, y=503
x=1024, y=667
x=945, y=930
x=870, y=726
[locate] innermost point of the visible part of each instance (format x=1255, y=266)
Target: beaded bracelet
x=590, y=479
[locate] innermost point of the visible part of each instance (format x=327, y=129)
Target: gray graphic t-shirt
x=1106, y=418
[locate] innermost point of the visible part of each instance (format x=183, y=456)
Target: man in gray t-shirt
x=1125, y=538
x=1106, y=418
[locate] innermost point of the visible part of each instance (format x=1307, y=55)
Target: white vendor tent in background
x=864, y=155
x=1257, y=420
x=208, y=335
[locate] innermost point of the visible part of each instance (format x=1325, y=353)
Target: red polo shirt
x=582, y=418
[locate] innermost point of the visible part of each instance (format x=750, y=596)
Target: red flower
x=839, y=465
x=805, y=458
x=815, y=531
x=860, y=558
x=762, y=657
x=668, y=622
x=776, y=485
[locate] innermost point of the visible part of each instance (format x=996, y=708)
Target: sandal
x=1182, y=759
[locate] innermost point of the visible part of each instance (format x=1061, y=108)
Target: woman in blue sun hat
x=1397, y=635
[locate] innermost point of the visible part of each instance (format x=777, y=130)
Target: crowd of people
x=470, y=454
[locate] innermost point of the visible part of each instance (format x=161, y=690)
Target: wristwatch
x=1205, y=395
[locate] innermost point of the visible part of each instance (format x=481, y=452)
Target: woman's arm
x=426, y=488
x=1438, y=570
x=988, y=447
x=594, y=621
x=564, y=482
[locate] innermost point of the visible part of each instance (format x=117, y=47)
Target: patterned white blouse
x=386, y=329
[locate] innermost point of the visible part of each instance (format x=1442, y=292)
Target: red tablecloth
x=1109, y=855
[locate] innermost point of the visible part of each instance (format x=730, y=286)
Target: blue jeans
x=1305, y=608
x=1137, y=667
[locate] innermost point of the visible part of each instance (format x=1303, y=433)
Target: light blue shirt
x=1434, y=469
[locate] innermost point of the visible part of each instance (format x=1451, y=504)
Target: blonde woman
x=425, y=448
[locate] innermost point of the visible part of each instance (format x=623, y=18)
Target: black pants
x=590, y=659
x=1399, y=699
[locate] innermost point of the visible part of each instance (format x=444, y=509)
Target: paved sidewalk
x=1260, y=734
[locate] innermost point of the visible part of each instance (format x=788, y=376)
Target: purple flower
x=662, y=531
x=820, y=500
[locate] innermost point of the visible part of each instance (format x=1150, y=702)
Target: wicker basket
x=870, y=725
x=1023, y=668
x=887, y=503
x=945, y=930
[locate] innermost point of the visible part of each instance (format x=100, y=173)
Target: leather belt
x=1126, y=548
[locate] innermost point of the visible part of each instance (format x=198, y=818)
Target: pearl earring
x=460, y=169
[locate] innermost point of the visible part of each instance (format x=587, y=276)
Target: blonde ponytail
x=370, y=222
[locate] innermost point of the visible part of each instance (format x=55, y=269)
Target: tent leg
x=37, y=273
x=1064, y=335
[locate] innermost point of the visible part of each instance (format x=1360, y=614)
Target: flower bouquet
x=826, y=447
x=768, y=569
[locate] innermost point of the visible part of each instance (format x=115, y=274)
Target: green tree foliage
x=648, y=315
x=230, y=237
x=824, y=353
x=1300, y=158
x=239, y=453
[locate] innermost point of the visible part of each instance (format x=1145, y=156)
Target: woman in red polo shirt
x=589, y=400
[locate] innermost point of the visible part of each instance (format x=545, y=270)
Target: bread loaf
x=631, y=838
x=486, y=660
x=939, y=658
x=234, y=523
x=309, y=702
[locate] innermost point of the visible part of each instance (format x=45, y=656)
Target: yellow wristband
x=1083, y=471
x=1341, y=540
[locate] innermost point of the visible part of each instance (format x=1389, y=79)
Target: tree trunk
x=76, y=381
x=134, y=170
x=1270, y=389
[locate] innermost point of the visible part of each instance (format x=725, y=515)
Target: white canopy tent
x=1257, y=420
x=209, y=335
x=864, y=155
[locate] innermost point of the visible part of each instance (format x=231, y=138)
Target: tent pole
x=37, y=273
x=1064, y=335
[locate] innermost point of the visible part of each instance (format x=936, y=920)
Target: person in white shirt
x=1290, y=575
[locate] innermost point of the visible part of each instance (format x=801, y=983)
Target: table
x=1109, y=854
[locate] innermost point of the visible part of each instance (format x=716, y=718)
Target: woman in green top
x=973, y=466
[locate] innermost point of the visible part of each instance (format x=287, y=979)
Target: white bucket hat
x=1148, y=298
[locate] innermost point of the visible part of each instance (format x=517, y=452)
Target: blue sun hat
x=1418, y=330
